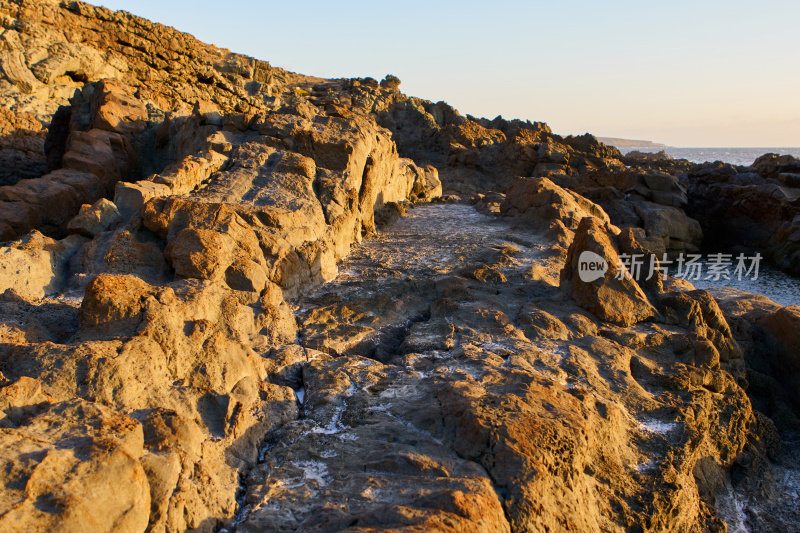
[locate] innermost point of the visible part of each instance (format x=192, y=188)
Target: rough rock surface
x=69, y=466
x=437, y=381
x=35, y=265
x=750, y=209
x=614, y=296
x=277, y=324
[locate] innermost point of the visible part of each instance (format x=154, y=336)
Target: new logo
x=591, y=266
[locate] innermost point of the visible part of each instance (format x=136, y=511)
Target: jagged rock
x=22, y=152
x=541, y=201
x=73, y=466
x=634, y=243
x=390, y=82
x=698, y=311
x=442, y=382
x=606, y=291
x=78, y=43
x=772, y=165
x=588, y=143
x=783, y=325
x=94, y=219
x=548, y=206
x=35, y=265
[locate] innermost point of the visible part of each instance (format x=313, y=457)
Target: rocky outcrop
x=760, y=488
x=65, y=461
x=135, y=344
x=544, y=205
x=597, y=280
x=540, y=200
x=191, y=356
x=35, y=265
x=775, y=165
x=218, y=215
x=94, y=219
x=783, y=328
x=22, y=153
x=99, y=151
x=506, y=375
x=749, y=209
x=50, y=49
x=714, y=342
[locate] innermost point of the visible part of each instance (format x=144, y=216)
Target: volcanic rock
x=613, y=295
x=277, y=326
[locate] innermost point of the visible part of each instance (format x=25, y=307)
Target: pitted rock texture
x=233, y=299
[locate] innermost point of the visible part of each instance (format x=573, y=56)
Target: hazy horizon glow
x=681, y=73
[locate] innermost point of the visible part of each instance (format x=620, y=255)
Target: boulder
x=131, y=197
x=772, y=165
x=670, y=227
x=94, y=219
x=35, y=265
x=699, y=312
x=427, y=185
x=661, y=188
x=541, y=201
x=599, y=289
x=110, y=299
x=72, y=466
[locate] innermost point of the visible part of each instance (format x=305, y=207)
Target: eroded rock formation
x=188, y=342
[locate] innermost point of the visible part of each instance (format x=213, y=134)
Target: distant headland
x=627, y=144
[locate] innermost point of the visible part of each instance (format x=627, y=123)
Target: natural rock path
x=364, y=437
x=430, y=241
x=443, y=372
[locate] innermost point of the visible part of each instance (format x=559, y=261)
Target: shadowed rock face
x=234, y=299
x=751, y=208
x=614, y=296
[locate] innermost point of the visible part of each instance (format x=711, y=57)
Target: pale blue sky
x=686, y=73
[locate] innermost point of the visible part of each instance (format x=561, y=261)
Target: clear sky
x=685, y=73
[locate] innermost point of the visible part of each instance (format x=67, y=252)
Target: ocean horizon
x=732, y=155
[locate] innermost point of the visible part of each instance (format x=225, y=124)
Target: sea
x=734, y=156
x=776, y=285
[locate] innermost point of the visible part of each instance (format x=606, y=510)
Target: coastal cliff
x=237, y=298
